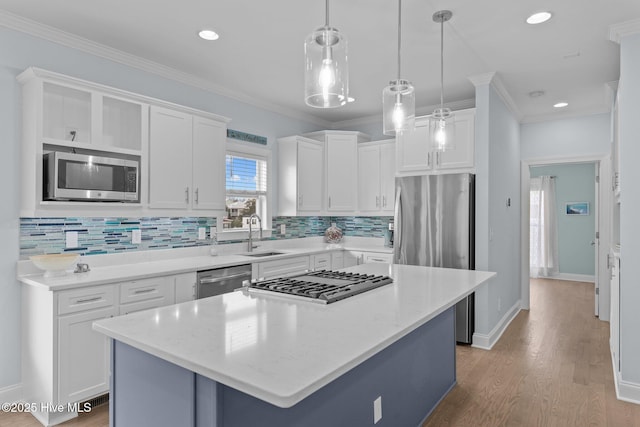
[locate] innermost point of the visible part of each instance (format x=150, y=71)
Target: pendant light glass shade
x=442, y=121
x=398, y=107
x=326, y=76
x=399, y=98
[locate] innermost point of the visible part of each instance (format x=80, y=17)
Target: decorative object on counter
x=326, y=76
x=441, y=122
x=242, y=136
x=54, y=264
x=333, y=234
x=399, y=98
x=82, y=268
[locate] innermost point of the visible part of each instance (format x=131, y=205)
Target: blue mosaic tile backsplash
x=113, y=235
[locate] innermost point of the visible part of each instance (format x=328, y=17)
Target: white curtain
x=543, y=235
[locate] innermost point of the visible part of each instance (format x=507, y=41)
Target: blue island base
x=412, y=376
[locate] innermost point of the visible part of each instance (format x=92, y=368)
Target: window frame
x=243, y=149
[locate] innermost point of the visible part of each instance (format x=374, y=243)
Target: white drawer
x=378, y=258
x=282, y=268
x=322, y=261
x=88, y=298
x=142, y=305
x=146, y=289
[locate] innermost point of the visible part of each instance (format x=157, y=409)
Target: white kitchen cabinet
x=376, y=177
x=138, y=295
x=300, y=176
x=280, y=268
x=337, y=260
x=185, y=287
x=83, y=354
x=186, y=161
x=62, y=113
x=321, y=261
x=341, y=169
x=414, y=154
x=352, y=258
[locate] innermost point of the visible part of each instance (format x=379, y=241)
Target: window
x=246, y=186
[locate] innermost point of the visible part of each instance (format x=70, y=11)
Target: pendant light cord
x=441, y=63
x=327, y=13
x=399, y=35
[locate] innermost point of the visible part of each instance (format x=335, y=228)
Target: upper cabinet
x=63, y=114
x=414, y=154
x=193, y=149
x=341, y=169
x=376, y=177
x=301, y=175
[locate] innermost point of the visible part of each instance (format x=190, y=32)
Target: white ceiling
x=260, y=50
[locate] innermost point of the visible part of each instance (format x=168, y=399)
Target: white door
x=209, y=139
x=369, y=173
x=170, y=145
x=310, y=173
x=342, y=173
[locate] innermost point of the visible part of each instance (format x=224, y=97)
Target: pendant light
x=326, y=76
x=441, y=123
x=398, y=99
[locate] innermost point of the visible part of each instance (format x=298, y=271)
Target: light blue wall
x=574, y=183
x=497, y=225
x=629, y=116
x=576, y=136
x=19, y=51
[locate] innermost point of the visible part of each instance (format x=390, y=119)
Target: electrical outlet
x=136, y=236
x=377, y=410
x=202, y=233
x=71, y=239
x=283, y=228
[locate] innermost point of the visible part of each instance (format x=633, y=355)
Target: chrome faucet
x=250, y=246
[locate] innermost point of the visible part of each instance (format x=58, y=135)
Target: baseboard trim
x=11, y=394
x=573, y=277
x=625, y=390
x=486, y=342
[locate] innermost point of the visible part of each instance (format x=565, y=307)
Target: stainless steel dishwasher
x=221, y=280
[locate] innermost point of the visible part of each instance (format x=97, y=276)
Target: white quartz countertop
x=147, y=266
x=280, y=350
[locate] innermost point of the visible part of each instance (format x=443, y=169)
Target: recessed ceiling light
x=539, y=18
x=208, y=35
x=560, y=104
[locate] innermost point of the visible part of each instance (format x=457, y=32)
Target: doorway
x=579, y=232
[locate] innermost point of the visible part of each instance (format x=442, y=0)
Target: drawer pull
x=84, y=301
x=143, y=291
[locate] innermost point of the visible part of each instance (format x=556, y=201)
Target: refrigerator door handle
x=398, y=224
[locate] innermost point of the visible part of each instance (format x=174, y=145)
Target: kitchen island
x=243, y=359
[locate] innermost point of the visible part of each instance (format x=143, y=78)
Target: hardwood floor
x=552, y=367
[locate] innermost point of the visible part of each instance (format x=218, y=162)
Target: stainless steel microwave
x=71, y=176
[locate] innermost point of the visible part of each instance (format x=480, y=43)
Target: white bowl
x=54, y=264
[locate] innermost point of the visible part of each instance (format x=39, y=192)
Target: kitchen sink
x=261, y=254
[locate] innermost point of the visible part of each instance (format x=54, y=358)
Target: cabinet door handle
x=438, y=159
x=429, y=159
x=197, y=195
x=377, y=201
x=186, y=195
x=329, y=201
x=86, y=300
x=384, y=201
x=143, y=291
x=300, y=202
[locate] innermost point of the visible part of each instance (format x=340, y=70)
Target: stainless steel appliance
x=322, y=286
x=74, y=176
x=222, y=280
x=434, y=226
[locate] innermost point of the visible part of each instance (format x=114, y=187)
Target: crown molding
x=493, y=79
x=33, y=28
x=565, y=115
x=618, y=31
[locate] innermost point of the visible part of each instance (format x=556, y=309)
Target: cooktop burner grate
x=323, y=286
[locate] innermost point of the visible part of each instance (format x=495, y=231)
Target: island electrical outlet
x=377, y=410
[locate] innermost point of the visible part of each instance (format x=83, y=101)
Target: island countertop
x=282, y=350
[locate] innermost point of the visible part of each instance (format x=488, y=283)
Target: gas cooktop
x=322, y=286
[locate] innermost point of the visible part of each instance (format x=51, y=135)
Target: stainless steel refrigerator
x=434, y=226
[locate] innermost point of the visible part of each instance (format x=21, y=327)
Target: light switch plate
x=71, y=239
x=283, y=228
x=202, y=233
x=136, y=236
x=377, y=410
